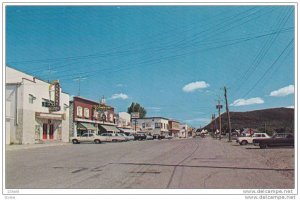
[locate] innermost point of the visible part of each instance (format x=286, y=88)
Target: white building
x=35, y=110
x=153, y=125
x=183, y=133
x=124, y=120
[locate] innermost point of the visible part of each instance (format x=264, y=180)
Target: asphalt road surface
x=199, y=163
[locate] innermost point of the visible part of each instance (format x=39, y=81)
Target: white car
x=149, y=137
x=88, y=137
x=129, y=136
x=113, y=137
x=168, y=137
x=122, y=135
x=249, y=139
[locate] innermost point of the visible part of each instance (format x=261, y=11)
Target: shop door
x=45, y=127
x=51, y=131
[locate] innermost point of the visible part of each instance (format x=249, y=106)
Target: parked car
x=149, y=137
x=122, y=135
x=112, y=137
x=168, y=137
x=140, y=136
x=159, y=137
x=88, y=137
x=129, y=136
x=277, y=140
x=249, y=140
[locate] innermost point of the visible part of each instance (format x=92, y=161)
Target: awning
x=110, y=128
x=85, y=126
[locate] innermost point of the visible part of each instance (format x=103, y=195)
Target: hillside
x=274, y=119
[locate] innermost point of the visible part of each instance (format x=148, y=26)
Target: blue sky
x=173, y=60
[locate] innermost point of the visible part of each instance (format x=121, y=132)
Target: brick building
x=88, y=117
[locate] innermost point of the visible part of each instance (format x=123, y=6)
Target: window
x=111, y=117
x=263, y=135
x=95, y=114
x=31, y=98
x=47, y=103
x=143, y=124
x=157, y=125
x=86, y=112
x=66, y=107
x=79, y=111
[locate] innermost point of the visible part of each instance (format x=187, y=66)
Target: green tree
x=136, y=107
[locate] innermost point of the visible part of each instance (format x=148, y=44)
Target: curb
x=31, y=146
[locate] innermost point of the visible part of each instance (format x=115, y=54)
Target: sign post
x=135, y=116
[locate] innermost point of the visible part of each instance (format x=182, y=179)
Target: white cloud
x=194, y=86
x=244, y=102
x=283, y=91
x=119, y=96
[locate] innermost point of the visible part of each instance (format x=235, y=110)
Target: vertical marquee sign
x=55, y=106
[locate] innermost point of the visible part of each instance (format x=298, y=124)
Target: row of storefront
x=39, y=111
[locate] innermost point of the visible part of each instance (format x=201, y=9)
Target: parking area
x=276, y=157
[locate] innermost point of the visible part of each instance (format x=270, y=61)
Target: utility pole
x=49, y=70
x=265, y=127
x=213, y=123
x=228, y=115
x=219, y=107
x=79, y=79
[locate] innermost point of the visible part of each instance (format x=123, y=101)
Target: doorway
x=45, y=130
x=51, y=131
x=48, y=129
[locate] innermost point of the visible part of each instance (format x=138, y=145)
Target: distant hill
x=274, y=119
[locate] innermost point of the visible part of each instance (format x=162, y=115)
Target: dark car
x=158, y=137
x=277, y=140
x=140, y=136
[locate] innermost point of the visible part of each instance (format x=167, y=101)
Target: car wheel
x=244, y=142
x=75, y=141
x=97, y=141
x=263, y=146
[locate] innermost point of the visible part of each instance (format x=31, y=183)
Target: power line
x=270, y=67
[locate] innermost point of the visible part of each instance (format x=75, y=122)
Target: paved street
x=159, y=164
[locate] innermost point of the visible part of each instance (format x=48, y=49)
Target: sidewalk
x=32, y=146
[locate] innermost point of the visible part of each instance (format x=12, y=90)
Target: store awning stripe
x=110, y=128
x=87, y=126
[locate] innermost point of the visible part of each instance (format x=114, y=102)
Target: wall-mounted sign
x=135, y=115
x=55, y=106
x=102, y=107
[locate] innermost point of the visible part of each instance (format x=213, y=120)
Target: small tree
x=136, y=107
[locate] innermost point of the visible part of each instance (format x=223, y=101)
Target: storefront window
x=79, y=111
x=86, y=112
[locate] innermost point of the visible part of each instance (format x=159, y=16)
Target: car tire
x=263, y=146
x=244, y=142
x=75, y=142
x=97, y=141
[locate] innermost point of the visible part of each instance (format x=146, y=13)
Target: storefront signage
x=102, y=107
x=135, y=115
x=55, y=106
